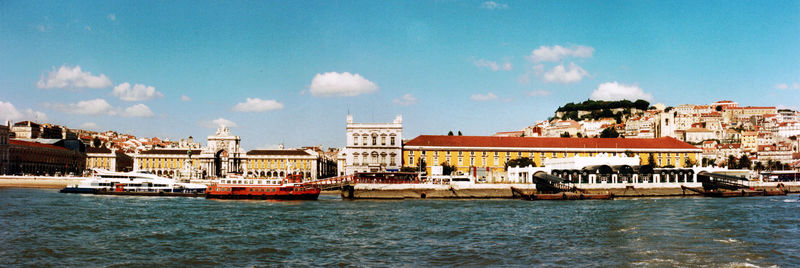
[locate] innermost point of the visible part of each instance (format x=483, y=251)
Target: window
x=460, y=160
x=410, y=159
x=391, y=140
x=374, y=140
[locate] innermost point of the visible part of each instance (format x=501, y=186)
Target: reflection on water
x=43, y=227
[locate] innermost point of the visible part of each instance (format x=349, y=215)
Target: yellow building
x=107, y=159
x=749, y=140
x=489, y=154
x=166, y=162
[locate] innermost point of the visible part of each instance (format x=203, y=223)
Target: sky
x=289, y=72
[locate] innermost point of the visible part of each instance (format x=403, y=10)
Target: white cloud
x=185, y=98
x=89, y=126
x=88, y=107
x=341, y=84
x=542, y=93
x=560, y=74
x=783, y=86
x=613, y=91
x=72, y=77
x=406, y=100
x=556, y=53
x=112, y=17
x=138, y=92
x=10, y=113
x=257, y=105
x=481, y=97
x=492, y=5
x=138, y=110
x=219, y=122
x=493, y=65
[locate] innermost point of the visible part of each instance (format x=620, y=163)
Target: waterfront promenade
x=38, y=181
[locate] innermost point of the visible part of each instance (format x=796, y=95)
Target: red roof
x=548, y=142
x=35, y=144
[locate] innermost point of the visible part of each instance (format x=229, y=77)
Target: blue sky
x=289, y=71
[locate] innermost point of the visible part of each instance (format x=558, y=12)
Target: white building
x=371, y=147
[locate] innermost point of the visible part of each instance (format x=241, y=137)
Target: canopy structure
x=715, y=181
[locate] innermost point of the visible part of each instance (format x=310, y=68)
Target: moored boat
x=290, y=188
x=103, y=181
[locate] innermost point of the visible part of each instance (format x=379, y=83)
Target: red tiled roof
x=171, y=151
x=548, y=142
x=277, y=152
x=35, y=144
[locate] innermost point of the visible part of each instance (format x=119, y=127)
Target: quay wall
x=403, y=191
x=38, y=181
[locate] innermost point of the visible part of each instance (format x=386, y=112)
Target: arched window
x=374, y=139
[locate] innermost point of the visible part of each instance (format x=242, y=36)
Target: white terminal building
x=371, y=147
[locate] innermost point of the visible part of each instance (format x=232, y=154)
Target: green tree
x=579, y=135
x=96, y=142
x=651, y=159
x=609, y=132
x=744, y=162
x=689, y=162
x=421, y=165
x=758, y=166
x=565, y=134
x=450, y=133
x=641, y=104
x=459, y=133
x=628, y=153
x=447, y=169
x=520, y=162
x=732, y=162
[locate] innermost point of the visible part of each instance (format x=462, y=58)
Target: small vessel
x=290, y=188
x=132, y=183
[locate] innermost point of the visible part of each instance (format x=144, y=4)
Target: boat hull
x=77, y=190
x=308, y=196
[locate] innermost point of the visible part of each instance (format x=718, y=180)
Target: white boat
x=136, y=182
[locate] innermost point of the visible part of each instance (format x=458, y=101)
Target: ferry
x=104, y=181
x=290, y=188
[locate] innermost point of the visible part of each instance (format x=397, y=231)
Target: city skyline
x=290, y=72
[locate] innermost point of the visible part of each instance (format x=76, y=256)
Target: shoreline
x=45, y=182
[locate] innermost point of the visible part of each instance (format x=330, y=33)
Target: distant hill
x=593, y=110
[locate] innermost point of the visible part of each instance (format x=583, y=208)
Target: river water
x=43, y=227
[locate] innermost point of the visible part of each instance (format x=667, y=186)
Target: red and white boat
x=290, y=188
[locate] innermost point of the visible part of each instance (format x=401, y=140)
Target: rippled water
x=42, y=227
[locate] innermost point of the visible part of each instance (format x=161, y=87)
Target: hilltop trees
x=600, y=109
x=609, y=133
x=520, y=162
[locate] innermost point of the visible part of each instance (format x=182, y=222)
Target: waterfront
x=43, y=227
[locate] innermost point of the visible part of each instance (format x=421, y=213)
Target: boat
x=132, y=183
x=290, y=188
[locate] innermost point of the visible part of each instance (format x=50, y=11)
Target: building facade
x=371, y=147
x=487, y=156
x=279, y=163
x=223, y=155
x=33, y=158
x=108, y=159
x=4, y=138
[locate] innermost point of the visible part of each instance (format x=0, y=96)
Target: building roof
x=278, y=152
x=35, y=144
x=100, y=150
x=171, y=151
x=549, y=142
